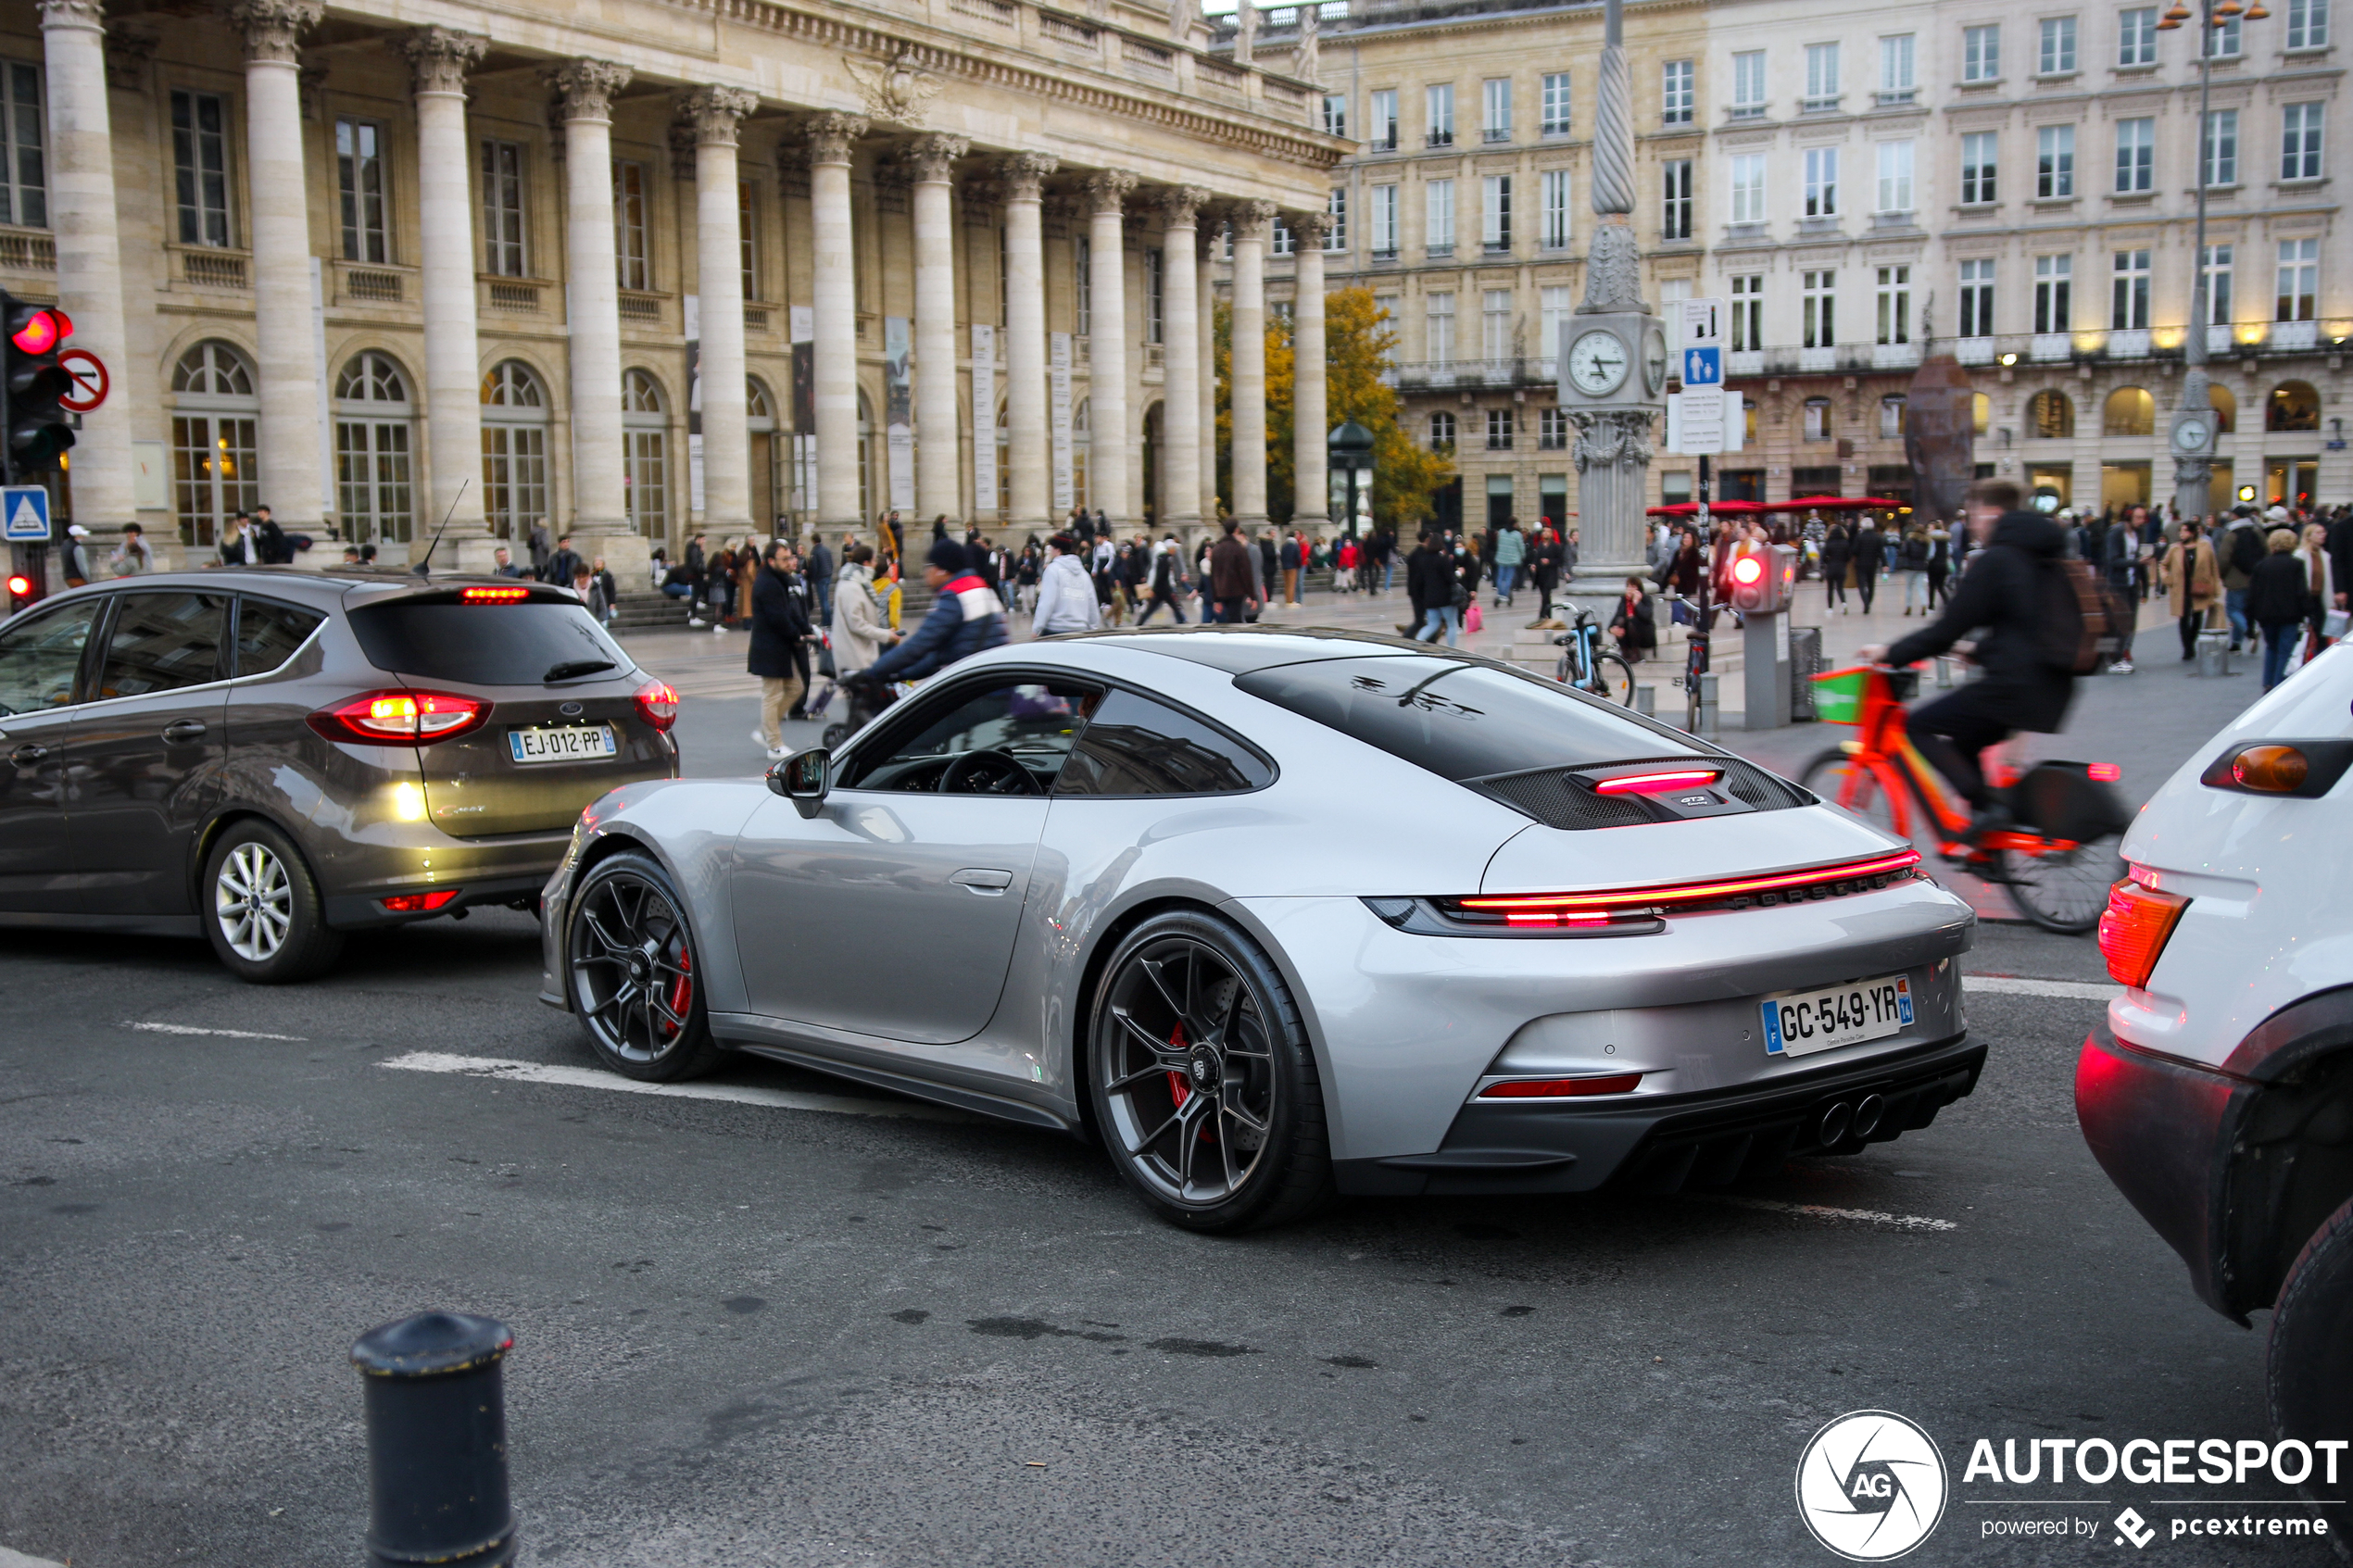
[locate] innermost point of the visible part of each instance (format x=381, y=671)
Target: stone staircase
x=640, y=612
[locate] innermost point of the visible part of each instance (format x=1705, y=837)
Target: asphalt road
x=753, y=1332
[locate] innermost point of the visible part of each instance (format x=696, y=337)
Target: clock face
x=1655, y=360
x=2191, y=435
x=1597, y=363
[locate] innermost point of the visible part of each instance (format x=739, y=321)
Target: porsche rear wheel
x=1203, y=1082
x=635, y=977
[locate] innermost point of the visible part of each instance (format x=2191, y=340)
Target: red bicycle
x=2055, y=866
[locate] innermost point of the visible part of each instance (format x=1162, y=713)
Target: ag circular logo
x=1872, y=1485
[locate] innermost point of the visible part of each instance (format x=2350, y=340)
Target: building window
x=359, y=181
x=1154, y=261
x=2137, y=37
x=1551, y=430
x=1977, y=298
x=2058, y=57
x=1384, y=125
x=1891, y=417
x=200, y=166
x=214, y=417
x=1552, y=190
x=1495, y=109
x=374, y=491
x=1554, y=307
x=1675, y=209
x=1282, y=241
x=1822, y=181
x=24, y=190
x=2135, y=156
x=2054, y=277
x=2050, y=416
x=1082, y=286
x=1495, y=214
x=1821, y=76
x=2229, y=38
x=1748, y=83
x=1896, y=79
x=1676, y=94
x=1336, y=208
x=1441, y=432
x=1817, y=420
x=1383, y=235
x=1437, y=212
x=1820, y=291
x=2308, y=24
x=504, y=250
x=1748, y=312
x=2300, y=280
x=2301, y=141
x=2055, y=163
x=1495, y=325
x=1442, y=329
x=1554, y=105
x=1499, y=430
x=1335, y=113
x=2128, y=308
x=748, y=237
x=2220, y=156
x=629, y=224
x=645, y=429
x=1982, y=53
x=2218, y=260
x=1895, y=177
x=1895, y=304
x=1439, y=101
x=514, y=450
x=1977, y=167
x=1748, y=188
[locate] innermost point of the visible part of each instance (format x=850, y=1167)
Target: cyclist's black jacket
x=2000, y=597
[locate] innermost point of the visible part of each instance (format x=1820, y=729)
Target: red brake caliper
x=682, y=990
x=1178, y=1089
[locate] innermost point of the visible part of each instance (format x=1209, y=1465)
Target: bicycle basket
x=1838, y=696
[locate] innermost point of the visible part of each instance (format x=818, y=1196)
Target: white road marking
x=225, y=1034
x=1854, y=1216
x=2013, y=986
x=738, y=1094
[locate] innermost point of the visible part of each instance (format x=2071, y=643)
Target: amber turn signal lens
x=2272, y=769
x=2135, y=929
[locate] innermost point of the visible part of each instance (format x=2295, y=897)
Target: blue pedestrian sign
x=25, y=509
x=1703, y=366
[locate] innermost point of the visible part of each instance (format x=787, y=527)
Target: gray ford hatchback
x=278, y=757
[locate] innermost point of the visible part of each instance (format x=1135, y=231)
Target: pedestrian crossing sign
x=25, y=509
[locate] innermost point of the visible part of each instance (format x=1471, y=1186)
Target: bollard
x=1646, y=701
x=437, y=1442
x=2214, y=653
x=1707, y=706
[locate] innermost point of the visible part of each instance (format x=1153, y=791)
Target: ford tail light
x=420, y=903
x=401, y=718
x=2135, y=929
x=658, y=704
x=494, y=595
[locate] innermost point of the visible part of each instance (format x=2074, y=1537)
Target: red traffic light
x=1747, y=570
x=20, y=585
x=43, y=331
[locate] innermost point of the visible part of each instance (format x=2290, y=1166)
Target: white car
x=2218, y=1096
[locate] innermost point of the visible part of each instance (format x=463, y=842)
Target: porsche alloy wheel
x=1203, y=1082
x=634, y=980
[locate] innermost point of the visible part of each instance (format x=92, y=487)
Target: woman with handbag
x=2320, y=574
x=2193, y=583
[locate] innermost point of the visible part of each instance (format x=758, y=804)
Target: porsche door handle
x=182, y=732
x=983, y=880
x=26, y=756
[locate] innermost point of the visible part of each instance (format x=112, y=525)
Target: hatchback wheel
x=2310, y=1359
x=1202, y=1079
x=266, y=919
x=637, y=982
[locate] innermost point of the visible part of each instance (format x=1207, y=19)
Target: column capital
x=586, y=86
x=273, y=28
x=1252, y=221
x=88, y=14
x=831, y=136
x=1308, y=230
x=440, y=57
x=1107, y=189
x=713, y=113
x=1180, y=206
x=931, y=160
x=1024, y=174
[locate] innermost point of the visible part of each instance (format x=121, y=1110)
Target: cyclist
x=2005, y=598
x=965, y=619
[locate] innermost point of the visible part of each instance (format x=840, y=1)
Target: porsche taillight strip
x=1624, y=899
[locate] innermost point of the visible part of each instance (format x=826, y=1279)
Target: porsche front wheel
x=1203, y=1079
x=635, y=976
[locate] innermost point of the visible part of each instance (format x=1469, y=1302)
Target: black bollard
x=437, y=1442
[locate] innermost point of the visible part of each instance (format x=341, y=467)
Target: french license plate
x=1836, y=1015
x=562, y=743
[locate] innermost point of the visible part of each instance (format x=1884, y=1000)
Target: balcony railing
x=1474, y=372
x=1438, y=139
x=2118, y=347
x=28, y=250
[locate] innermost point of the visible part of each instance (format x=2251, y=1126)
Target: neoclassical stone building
x=646, y=268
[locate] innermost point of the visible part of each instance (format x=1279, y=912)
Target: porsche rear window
x=1460, y=720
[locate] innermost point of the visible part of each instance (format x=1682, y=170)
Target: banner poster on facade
x=1058, y=419
x=899, y=411
x=804, y=407
x=984, y=418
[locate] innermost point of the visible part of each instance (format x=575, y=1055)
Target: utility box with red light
x=1762, y=582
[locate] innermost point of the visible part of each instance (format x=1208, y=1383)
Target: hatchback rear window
x=1460, y=720
x=490, y=645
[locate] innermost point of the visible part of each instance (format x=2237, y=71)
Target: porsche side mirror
x=803, y=779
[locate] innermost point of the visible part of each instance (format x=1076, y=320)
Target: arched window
x=1081, y=443
x=2050, y=416
x=1441, y=432
x=767, y=451
x=2292, y=406
x=1891, y=415
x=374, y=434
x=2226, y=406
x=1981, y=411
x=644, y=433
x=514, y=450
x=215, y=418
x=2129, y=411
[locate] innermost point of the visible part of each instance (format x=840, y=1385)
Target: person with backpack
x=2022, y=602
x=2239, y=550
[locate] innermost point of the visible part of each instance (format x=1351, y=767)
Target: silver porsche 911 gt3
x=1274, y=915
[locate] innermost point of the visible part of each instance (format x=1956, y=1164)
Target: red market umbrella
x=1834, y=503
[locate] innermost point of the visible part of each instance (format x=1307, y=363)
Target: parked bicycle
x=1586, y=667
x=2055, y=866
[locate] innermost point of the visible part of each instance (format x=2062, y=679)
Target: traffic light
x=1762, y=581
x=39, y=429
x=21, y=587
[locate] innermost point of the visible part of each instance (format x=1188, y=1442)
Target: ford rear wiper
x=571, y=668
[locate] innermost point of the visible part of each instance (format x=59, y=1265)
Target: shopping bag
x=1472, y=619
x=1838, y=696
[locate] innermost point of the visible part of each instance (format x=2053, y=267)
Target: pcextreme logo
x=1872, y=1485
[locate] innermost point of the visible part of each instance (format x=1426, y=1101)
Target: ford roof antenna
x=424, y=568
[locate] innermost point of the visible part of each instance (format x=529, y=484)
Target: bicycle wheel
x=1612, y=680
x=1856, y=787
x=2062, y=890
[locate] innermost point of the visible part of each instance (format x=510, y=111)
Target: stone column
x=833, y=293
x=82, y=215
x=438, y=60
x=1253, y=225
x=1181, y=436
x=277, y=195
x=1108, y=442
x=1311, y=489
x=713, y=113
x=939, y=445
x=1023, y=175
x=1205, y=359
x=592, y=304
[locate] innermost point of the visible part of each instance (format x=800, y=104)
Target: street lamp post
x=2194, y=427
x=1349, y=459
